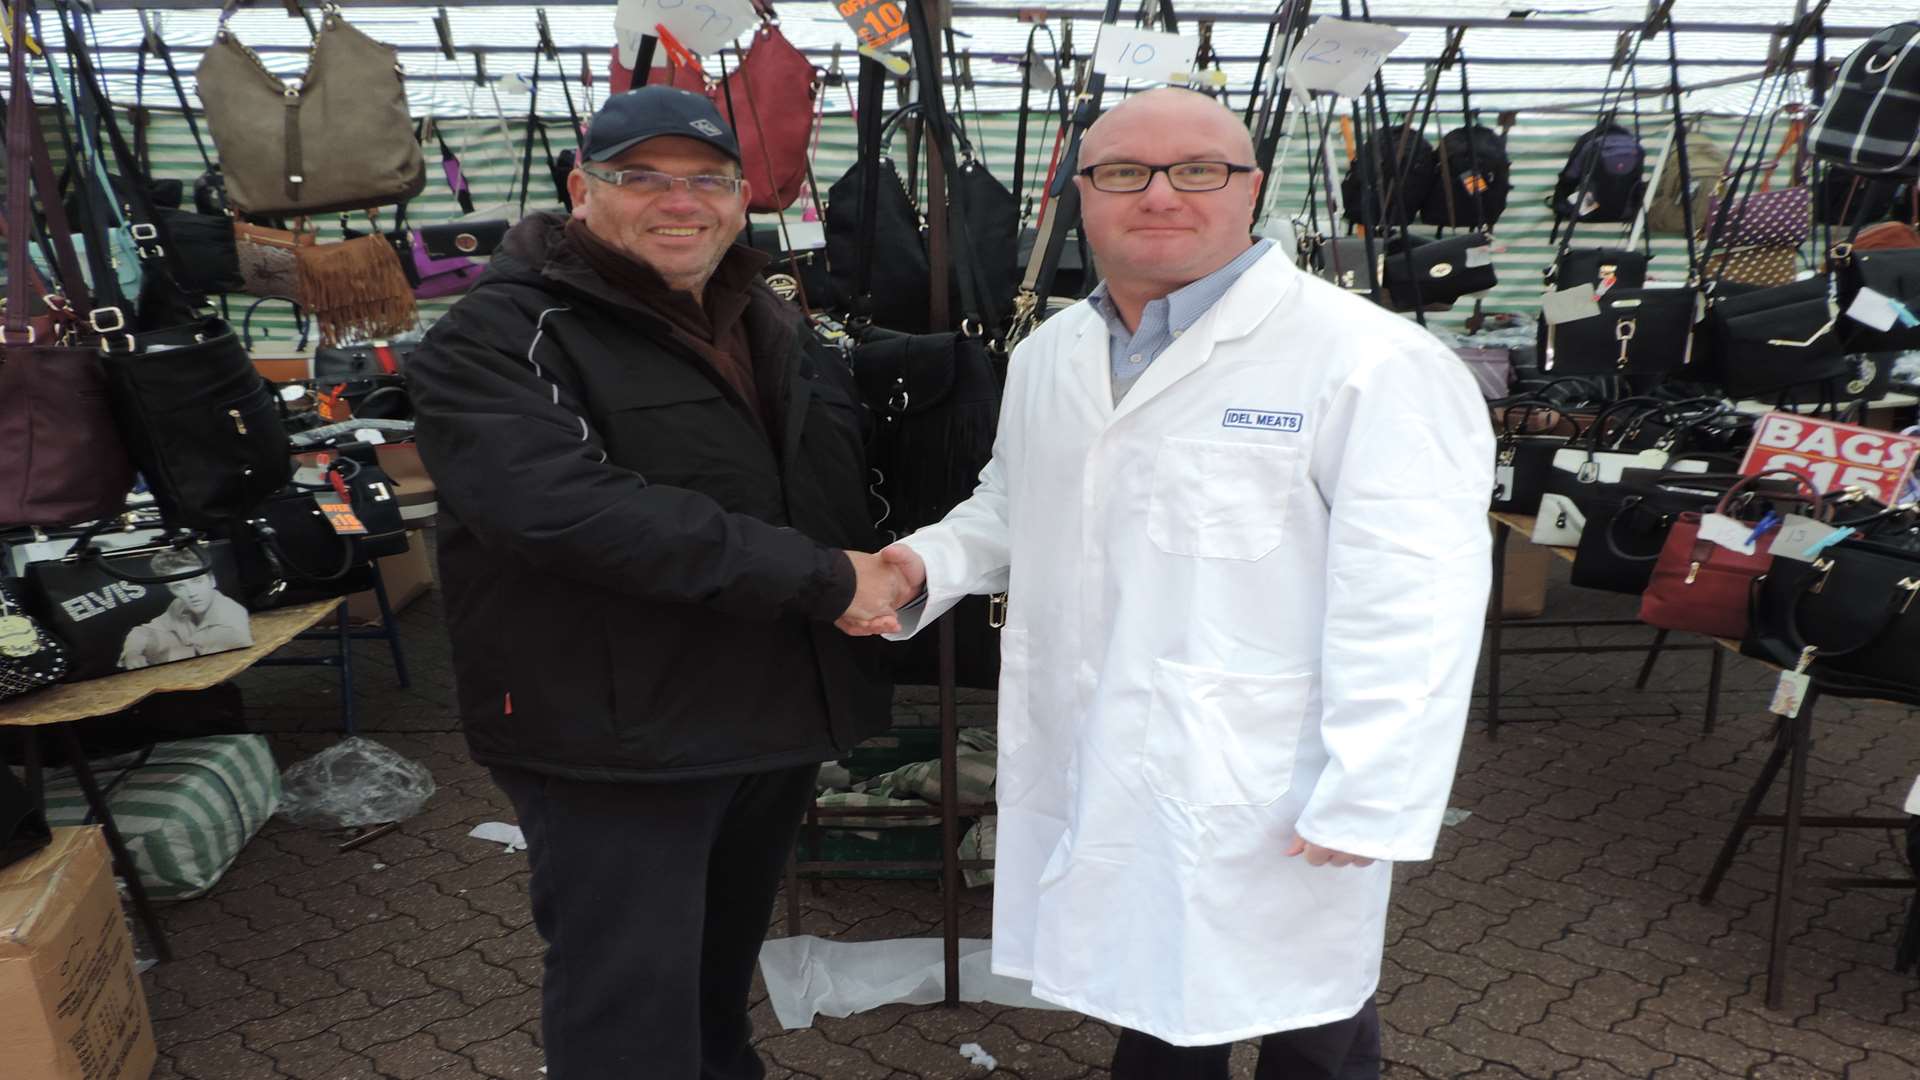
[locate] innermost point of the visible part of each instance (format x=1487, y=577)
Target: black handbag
x=1341, y=260
x=1638, y=332
x=896, y=298
x=23, y=826
x=173, y=599
x=798, y=276
x=1523, y=460
x=1893, y=273
x=1627, y=525
x=29, y=656
x=1767, y=339
x=1588, y=266
x=289, y=552
x=206, y=260
x=200, y=422
x=453, y=239
x=1420, y=273
x=1854, y=608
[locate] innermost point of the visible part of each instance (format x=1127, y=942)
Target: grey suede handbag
x=340, y=140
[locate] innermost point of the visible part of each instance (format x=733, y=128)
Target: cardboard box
x=73, y=1005
x=1524, y=592
x=407, y=576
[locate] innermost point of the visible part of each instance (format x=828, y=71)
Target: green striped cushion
x=186, y=812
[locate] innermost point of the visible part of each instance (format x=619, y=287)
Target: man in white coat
x=1241, y=518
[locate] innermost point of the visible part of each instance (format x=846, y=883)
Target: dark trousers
x=1343, y=1050
x=653, y=900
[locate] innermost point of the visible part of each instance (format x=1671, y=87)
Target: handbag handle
x=1822, y=510
x=84, y=551
x=1597, y=430
x=301, y=321
x=271, y=538
x=1811, y=584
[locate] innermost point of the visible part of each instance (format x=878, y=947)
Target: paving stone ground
x=1555, y=934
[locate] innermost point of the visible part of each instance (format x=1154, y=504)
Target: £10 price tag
x=879, y=24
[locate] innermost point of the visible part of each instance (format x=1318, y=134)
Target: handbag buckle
x=1623, y=332
x=898, y=400
x=1825, y=567
x=997, y=610
x=119, y=320
x=1693, y=572
x=1912, y=586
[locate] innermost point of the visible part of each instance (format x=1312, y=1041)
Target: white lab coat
x=1245, y=602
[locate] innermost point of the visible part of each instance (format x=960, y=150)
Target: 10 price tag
x=879, y=24
x=1126, y=52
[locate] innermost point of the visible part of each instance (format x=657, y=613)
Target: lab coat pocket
x=1220, y=500
x=1222, y=738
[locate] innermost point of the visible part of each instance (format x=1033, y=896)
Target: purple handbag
x=441, y=277
x=1781, y=218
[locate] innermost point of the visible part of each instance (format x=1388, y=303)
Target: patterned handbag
x=1781, y=218
x=1755, y=265
x=267, y=257
x=29, y=656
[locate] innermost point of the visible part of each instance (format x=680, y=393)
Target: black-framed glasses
x=649, y=182
x=1126, y=177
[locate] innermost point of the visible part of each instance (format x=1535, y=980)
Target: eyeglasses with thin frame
x=649, y=182
x=1128, y=177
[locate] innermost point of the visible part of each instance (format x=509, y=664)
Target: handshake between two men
x=886, y=581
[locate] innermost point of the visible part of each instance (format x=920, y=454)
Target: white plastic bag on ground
x=356, y=781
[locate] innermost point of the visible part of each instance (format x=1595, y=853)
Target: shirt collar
x=1186, y=304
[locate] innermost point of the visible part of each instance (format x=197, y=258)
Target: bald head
x=1154, y=240
x=1166, y=109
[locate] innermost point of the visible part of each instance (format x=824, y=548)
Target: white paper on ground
x=500, y=832
x=1913, y=797
x=808, y=976
x=977, y=1055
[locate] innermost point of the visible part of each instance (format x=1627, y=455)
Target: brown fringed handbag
x=355, y=290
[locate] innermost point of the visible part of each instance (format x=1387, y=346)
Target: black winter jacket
x=640, y=584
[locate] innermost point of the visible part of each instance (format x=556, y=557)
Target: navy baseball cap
x=629, y=119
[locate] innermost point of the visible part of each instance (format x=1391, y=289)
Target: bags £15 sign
x=1836, y=455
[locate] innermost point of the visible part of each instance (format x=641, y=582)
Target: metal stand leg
x=1715, y=667
x=949, y=813
x=1496, y=616
x=1748, y=810
x=344, y=638
x=122, y=861
x=388, y=625
x=1653, y=654
x=1799, y=741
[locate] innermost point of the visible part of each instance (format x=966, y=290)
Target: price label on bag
x=340, y=515
x=1126, y=52
x=1340, y=56
x=703, y=26
x=1837, y=456
x=879, y=24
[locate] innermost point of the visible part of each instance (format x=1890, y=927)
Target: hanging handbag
x=1780, y=218
x=1437, y=272
x=1894, y=274
x=1704, y=587
x=267, y=257
x=1341, y=260
x=1754, y=266
x=1871, y=123
x=343, y=140
x=1765, y=340
x=767, y=101
x=1638, y=332
x=129, y=608
x=29, y=659
x=355, y=289
x=1589, y=266
x=200, y=422
x=57, y=430
x=897, y=298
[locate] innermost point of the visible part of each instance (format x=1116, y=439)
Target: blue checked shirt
x=1162, y=320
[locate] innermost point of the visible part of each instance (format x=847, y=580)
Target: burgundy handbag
x=66, y=462
x=1700, y=586
x=768, y=101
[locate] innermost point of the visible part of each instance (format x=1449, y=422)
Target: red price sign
x=879, y=23
x=1836, y=455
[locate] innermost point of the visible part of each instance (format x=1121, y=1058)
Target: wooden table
x=58, y=707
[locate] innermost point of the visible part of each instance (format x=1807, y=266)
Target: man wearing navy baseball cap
x=653, y=510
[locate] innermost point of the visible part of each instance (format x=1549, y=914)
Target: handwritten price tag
x=877, y=23
x=1125, y=52
x=1340, y=56
x=703, y=26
